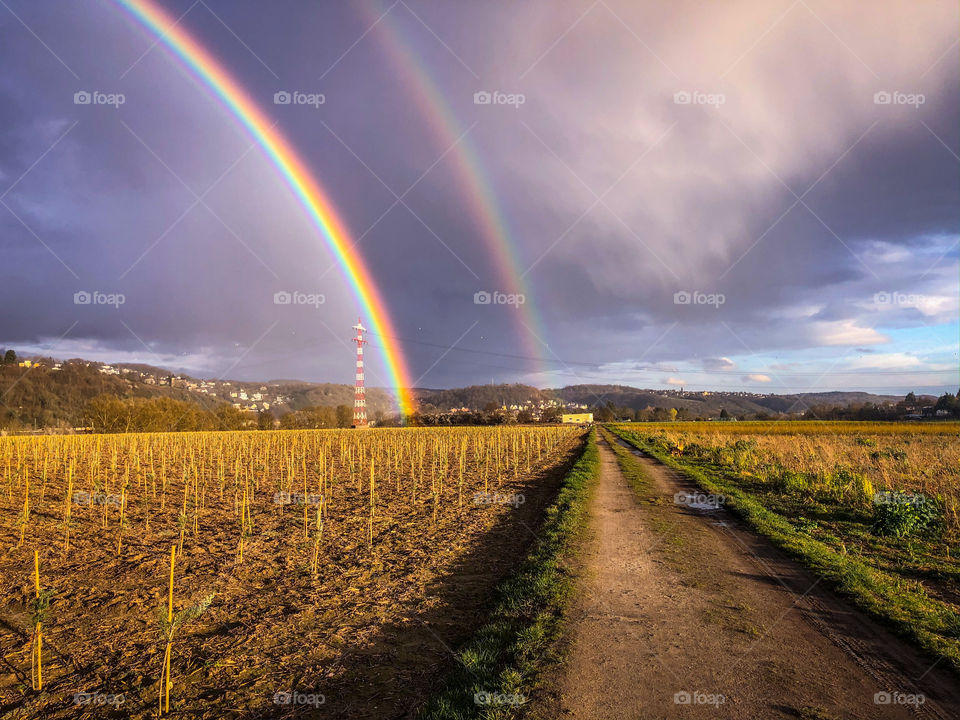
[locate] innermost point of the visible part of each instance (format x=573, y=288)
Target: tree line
x=945, y=407
x=112, y=414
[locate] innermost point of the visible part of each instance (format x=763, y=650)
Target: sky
x=759, y=196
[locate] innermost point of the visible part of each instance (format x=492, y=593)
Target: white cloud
x=720, y=363
x=846, y=332
x=203, y=361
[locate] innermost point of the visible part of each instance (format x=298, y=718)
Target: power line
x=568, y=364
x=600, y=366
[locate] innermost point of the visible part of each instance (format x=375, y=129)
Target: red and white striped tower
x=359, y=394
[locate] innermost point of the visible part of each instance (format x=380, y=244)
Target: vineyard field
x=255, y=572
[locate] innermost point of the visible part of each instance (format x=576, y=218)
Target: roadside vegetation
x=500, y=664
x=872, y=508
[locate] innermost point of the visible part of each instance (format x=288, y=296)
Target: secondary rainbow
x=205, y=68
x=472, y=179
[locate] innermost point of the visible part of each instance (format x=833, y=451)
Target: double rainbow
x=293, y=171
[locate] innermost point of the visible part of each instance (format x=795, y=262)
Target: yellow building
x=576, y=418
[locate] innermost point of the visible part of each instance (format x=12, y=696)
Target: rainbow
x=471, y=175
x=294, y=172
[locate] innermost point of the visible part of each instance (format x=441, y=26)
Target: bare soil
x=686, y=613
x=370, y=638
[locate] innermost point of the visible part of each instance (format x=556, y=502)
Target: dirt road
x=685, y=613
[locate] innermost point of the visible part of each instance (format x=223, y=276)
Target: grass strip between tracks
x=499, y=664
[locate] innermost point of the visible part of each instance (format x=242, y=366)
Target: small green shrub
x=791, y=481
x=804, y=525
x=904, y=514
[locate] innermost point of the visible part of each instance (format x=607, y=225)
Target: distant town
x=47, y=394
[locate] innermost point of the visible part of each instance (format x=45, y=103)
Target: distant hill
x=707, y=403
x=476, y=397
x=49, y=396
x=304, y=394
x=55, y=394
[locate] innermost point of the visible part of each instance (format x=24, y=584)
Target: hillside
x=708, y=403
x=54, y=394
x=50, y=396
x=698, y=403
x=477, y=397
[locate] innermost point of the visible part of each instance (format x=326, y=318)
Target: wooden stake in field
x=165, y=671
x=371, y=501
x=39, y=610
x=66, y=509
x=25, y=516
x=169, y=623
x=306, y=531
x=317, y=537
x=123, y=519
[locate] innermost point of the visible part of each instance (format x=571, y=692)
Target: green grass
x=506, y=654
x=902, y=603
x=632, y=470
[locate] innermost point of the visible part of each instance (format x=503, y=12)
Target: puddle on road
x=702, y=507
